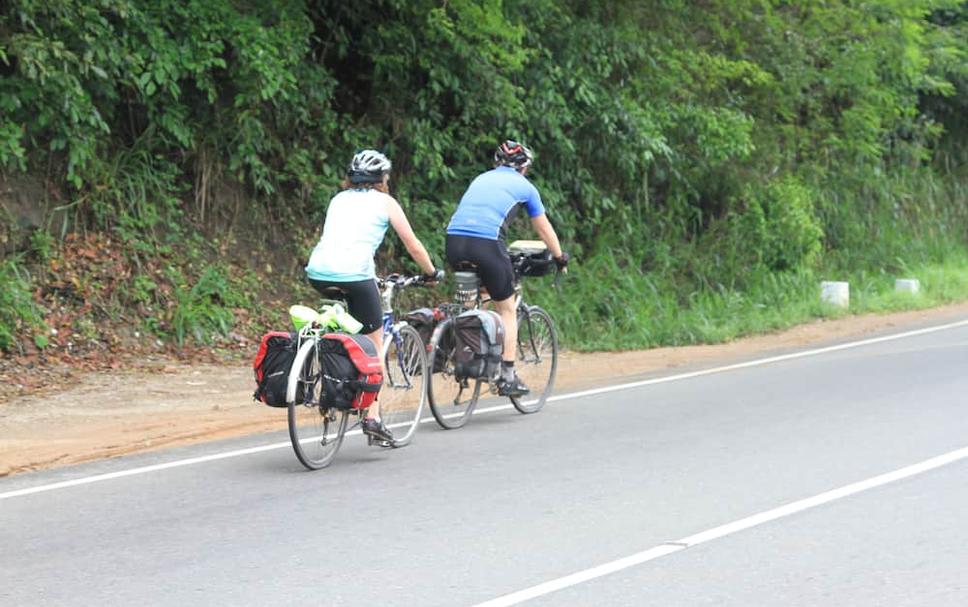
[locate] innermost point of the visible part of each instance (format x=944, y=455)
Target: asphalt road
x=512, y=502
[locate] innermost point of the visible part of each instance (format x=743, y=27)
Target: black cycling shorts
x=362, y=299
x=490, y=257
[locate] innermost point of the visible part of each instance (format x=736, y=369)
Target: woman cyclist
x=356, y=222
x=477, y=234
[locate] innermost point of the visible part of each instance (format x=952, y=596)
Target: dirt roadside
x=111, y=414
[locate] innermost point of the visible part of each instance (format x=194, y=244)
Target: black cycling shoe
x=515, y=387
x=377, y=431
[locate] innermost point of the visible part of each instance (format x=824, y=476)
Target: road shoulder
x=111, y=414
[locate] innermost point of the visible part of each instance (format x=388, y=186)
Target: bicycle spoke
x=316, y=433
x=401, y=400
x=538, y=358
x=451, y=400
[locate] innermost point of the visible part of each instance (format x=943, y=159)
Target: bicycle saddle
x=333, y=293
x=465, y=267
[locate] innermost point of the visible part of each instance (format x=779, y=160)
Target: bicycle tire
x=316, y=432
x=404, y=381
x=452, y=401
x=537, y=360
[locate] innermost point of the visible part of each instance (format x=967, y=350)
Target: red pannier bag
x=352, y=374
x=271, y=366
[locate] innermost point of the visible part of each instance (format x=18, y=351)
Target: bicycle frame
x=397, y=374
x=391, y=328
x=534, y=324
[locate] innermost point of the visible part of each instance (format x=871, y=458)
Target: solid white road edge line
x=709, y=535
x=762, y=361
x=183, y=462
x=560, y=397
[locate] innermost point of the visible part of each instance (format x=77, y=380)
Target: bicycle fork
x=534, y=346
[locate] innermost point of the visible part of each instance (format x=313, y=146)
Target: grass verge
x=641, y=311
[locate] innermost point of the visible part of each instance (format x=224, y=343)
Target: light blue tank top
x=356, y=223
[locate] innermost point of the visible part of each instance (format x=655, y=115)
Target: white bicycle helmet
x=368, y=166
x=513, y=154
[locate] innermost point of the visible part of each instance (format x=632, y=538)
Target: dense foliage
x=726, y=151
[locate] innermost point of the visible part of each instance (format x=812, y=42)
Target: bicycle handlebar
x=402, y=281
x=518, y=260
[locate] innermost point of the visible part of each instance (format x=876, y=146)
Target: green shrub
x=41, y=244
x=203, y=310
x=198, y=310
x=19, y=314
x=777, y=226
x=702, y=162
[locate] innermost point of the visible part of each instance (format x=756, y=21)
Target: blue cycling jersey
x=491, y=202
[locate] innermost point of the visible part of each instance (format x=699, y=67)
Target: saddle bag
x=479, y=343
x=352, y=374
x=272, y=363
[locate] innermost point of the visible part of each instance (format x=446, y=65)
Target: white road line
x=559, y=397
x=184, y=462
x=709, y=535
x=761, y=361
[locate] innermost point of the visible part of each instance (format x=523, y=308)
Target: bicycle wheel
x=537, y=360
x=403, y=394
x=316, y=432
x=451, y=400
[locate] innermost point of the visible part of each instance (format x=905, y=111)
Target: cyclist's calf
x=507, y=308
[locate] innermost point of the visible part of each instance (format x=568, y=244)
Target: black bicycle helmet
x=513, y=154
x=368, y=166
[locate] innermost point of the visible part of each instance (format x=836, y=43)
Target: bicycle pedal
x=373, y=441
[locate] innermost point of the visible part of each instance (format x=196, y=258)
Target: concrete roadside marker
x=835, y=293
x=907, y=285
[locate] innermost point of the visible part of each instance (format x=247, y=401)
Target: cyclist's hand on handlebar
x=432, y=279
x=562, y=262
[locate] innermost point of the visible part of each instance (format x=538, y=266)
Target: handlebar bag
x=538, y=264
x=272, y=363
x=352, y=374
x=479, y=343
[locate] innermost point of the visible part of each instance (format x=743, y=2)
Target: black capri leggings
x=362, y=298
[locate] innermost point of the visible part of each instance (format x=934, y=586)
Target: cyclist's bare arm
x=547, y=233
x=401, y=226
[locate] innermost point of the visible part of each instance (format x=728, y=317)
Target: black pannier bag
x=422, y=319
x=479, y=336
x=272, y=363
x=352, y=374
x=445, y=345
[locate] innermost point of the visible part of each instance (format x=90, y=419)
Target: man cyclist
x=477, y=234
x=356, y=222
